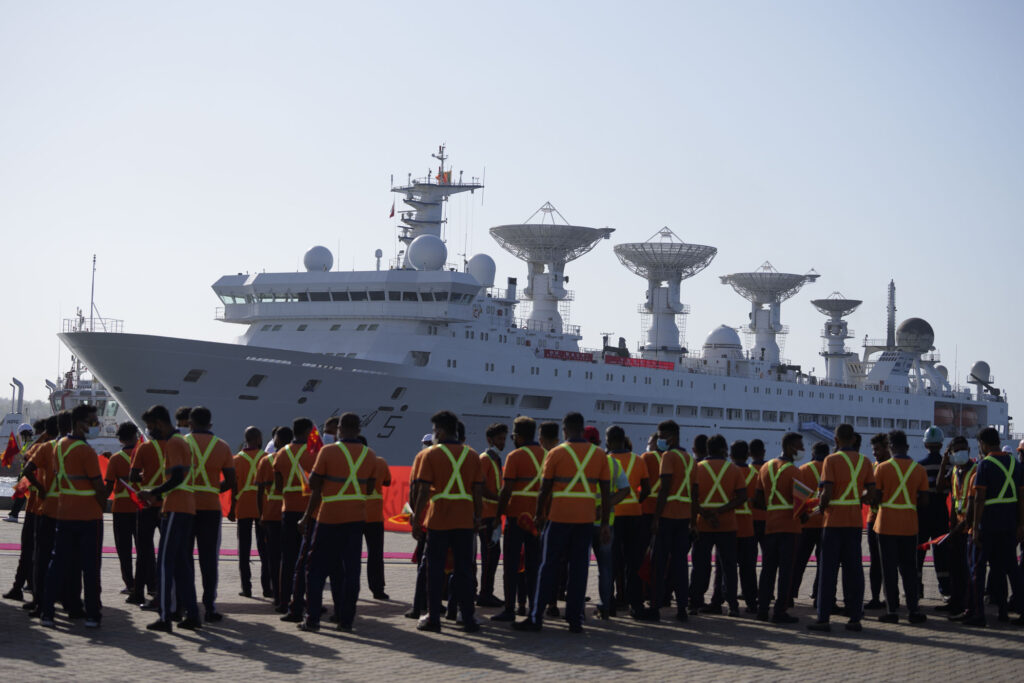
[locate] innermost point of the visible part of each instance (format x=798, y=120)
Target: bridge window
x=255, y=380
x=194, y=375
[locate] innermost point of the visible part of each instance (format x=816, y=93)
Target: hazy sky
x=182, y=141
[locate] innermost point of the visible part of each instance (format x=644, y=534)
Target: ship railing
x=538, y=326
x=642, y=310
x=83, y=324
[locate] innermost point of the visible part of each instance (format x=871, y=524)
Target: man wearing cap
x=933, y=518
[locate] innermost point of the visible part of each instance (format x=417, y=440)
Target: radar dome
x=982, y=371
x=482, y=268
x=427, y=252
x=942, y=370
x=318, y=259
x=723, y=342
x=915, y=335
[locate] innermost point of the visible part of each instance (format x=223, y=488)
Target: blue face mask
x=328, y=438
x=93, y=432
x=662, y=445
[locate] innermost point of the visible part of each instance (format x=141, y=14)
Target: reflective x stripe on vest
x=581, y=476
x=296, y=477
x=456, y=477
x=716, y=482
x=614, y=470
x=1008, y=494
x=62, y=479
x=378, y=491
x=533, y=487
x=776, y=501
x=497, y=472
x=901, y=488
x=816, y=468
x=200, y=465
x=960, y=488
x=851, y=496
x=631, y=498
x=123, y=493
x=656, y=486
x=155, y=479
x=745, y=509
x=184, y=485
x=350, y=489
x=271, y=494
x=250, y=477
x=682, y=494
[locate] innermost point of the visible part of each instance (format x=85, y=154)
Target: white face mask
x=328, y=438
x=960, y=457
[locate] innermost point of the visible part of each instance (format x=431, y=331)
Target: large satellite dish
x=547, y=241
x=767, y=285
x=836, y=305
x=665, y=258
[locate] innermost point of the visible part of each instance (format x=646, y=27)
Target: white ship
x=398, y=343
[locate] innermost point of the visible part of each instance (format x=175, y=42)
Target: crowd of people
x=652, y=521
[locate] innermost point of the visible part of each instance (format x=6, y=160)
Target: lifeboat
x=968, y=417
x=943, y=415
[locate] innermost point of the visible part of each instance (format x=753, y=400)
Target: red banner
x=558, y=354
x=639, y=363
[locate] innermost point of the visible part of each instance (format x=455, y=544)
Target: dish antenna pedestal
x=664, y=261
x=547, y=246
x=835, y=333
x=766, y=289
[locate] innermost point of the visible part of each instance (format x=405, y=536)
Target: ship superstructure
x=399, y=343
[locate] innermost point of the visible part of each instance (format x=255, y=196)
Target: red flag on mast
x=392, y=214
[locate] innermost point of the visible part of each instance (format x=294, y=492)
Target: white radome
x=427, y=252
x=318, y=259
x=482, y=268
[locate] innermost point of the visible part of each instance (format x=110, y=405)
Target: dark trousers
x=206, y=531
x=810, y=542
x=959, y=572
x=628, y=553
x=373, y=533
x=759, y=534
x=779, y=554
x=261, y=549
x=76, y=547
x=669, y=566
x=291, y=542
x=272, y=547
x=16, y=505
x=147, y=522
x=998, y=550
x=573, y=542
x=298, y=601
x=899, y=553
x=46, y=527
x=933, y=521
x=519, y=545
x=23, y=574
x=841, y=547
x=243, y=530
x=746, y=564
x=124, y=538
x=461, y=543
x=724, y=543
x=490, y=555
x=419, y=597
x=875, y=569
x=335, y=551
x=175, y=569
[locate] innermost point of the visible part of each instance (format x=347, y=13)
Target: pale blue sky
x=181, y=141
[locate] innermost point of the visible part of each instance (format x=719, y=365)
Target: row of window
x=356, y=295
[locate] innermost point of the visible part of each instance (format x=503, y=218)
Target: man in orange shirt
x=490, y=529
x=719, y=489
x=175, y=568
x=123, y=509
x=342, y=475
x=81, y=501
x=847, y=481
x=627, y=535
x=782, y=530
x=670, y=522
x=419, y=598
x=373, y=530
x=39, y=472
x=570, y=473
x=810, y=528
x=518, y=496
x=23, y=573
x=245, y=510
x=212, y=459
x=880, y=451
x=26, y=571
x=757, y=453
x=270, y=503
x=902, y=487
x=746, y=540
x=292, y=465
x=449, y=476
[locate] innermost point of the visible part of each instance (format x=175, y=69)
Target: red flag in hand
x=933, y=541
x=11, y=451
x=133, y=494
x=314, y=443
x=20, y=489
x=527, y=523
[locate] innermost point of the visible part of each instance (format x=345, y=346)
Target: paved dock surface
x=252, y=643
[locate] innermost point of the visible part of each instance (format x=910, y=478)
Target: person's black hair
x=717, y=445
x=350, y=422
x=285, y=433
x=201, y=417
x=127, y=431
x=525, y=427
x=496, y=429
x=549, y=430
x=447, y=421
x=615, y=436
x=182, y=413
x=52, y=427
x=989, y=436
x=39, y=426
x=82, y=412
x=255, y=434
x=757, y=445
x=898, y=440
x=787, y=438
x=700, y=444
x=739, y=450
x=573, y=422
x=844, y=433
x=157, y=414
x=880, y=439
x=460, y=430
x=64, y=421
x=820, y=449
x=856, y=441
x=669, y=426
x=301, y=427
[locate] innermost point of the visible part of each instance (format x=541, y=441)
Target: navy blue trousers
x=778, y=560
x=335, y=550
x=461, y=543
x=207, y=539
x=76, y=548
x=572, y=541
x=669, y=566
x=519, y=543
x=175, y=571
x=841, y=547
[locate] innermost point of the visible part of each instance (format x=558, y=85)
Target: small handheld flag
x=20, y=489
x=313, y=442
x=803, y=498
x=133, y=494
x=9, y=452
x=527, y=523
x=938, y=540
